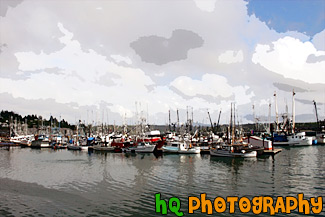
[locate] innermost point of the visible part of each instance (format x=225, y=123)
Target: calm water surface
x=70, y=183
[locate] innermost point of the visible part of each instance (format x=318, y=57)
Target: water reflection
x=124, y=184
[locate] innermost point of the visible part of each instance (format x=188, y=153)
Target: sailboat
x=232, y=149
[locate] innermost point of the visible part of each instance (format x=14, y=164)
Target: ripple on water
x=49, y=183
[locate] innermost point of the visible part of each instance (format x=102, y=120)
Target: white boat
x=296, y=139
x=231, y=151
x=172, y=147
x=142, y=147
x=23, y=141
x=185, y=148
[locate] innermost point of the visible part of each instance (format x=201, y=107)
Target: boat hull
x=227, y=153
x=140, y=149
x=74, y=147
x=104, y=148
x=195, y=150
x=168, y=149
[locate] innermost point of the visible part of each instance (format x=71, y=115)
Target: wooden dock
x=261, y=151
x=272, y=152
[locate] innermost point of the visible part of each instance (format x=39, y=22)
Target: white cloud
x=78, y=79
x=319, y=40
x=160, y=74
x=212, y=85
x=288, y=57
x=206, y=5
x=119, y=58
x=231, y=57
x=86, y=61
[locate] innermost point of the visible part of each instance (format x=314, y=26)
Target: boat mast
x=177, y=121
x=269, y=117
x=77, y=136
x=233, y=127
x=230, y=125
x=276, y=112
x=186, y=114
x=169, y=120
x=293, y=111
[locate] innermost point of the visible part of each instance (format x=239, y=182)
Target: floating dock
x=272, y=152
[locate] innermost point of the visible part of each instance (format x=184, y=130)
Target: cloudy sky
x=104, y=60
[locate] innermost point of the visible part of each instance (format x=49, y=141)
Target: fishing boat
x=171, y=147
x=41, y=141
x=295, y=139
x=232, y=151
x=142, y=147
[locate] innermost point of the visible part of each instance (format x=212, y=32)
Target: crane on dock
x=218, y=121
x=316, y=113
x=211, y=122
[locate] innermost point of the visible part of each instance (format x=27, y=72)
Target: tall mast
x=269, y=117
x=230, y=125
x=177, y=120
x=169, y=120
x=186, y=114
x=233, y=127
x=234, y=116
x=276, y=112
x=254, y=116
x=293, y=111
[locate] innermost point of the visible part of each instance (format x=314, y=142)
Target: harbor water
x=75, y=183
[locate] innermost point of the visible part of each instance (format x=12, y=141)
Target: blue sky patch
x=306, y=16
